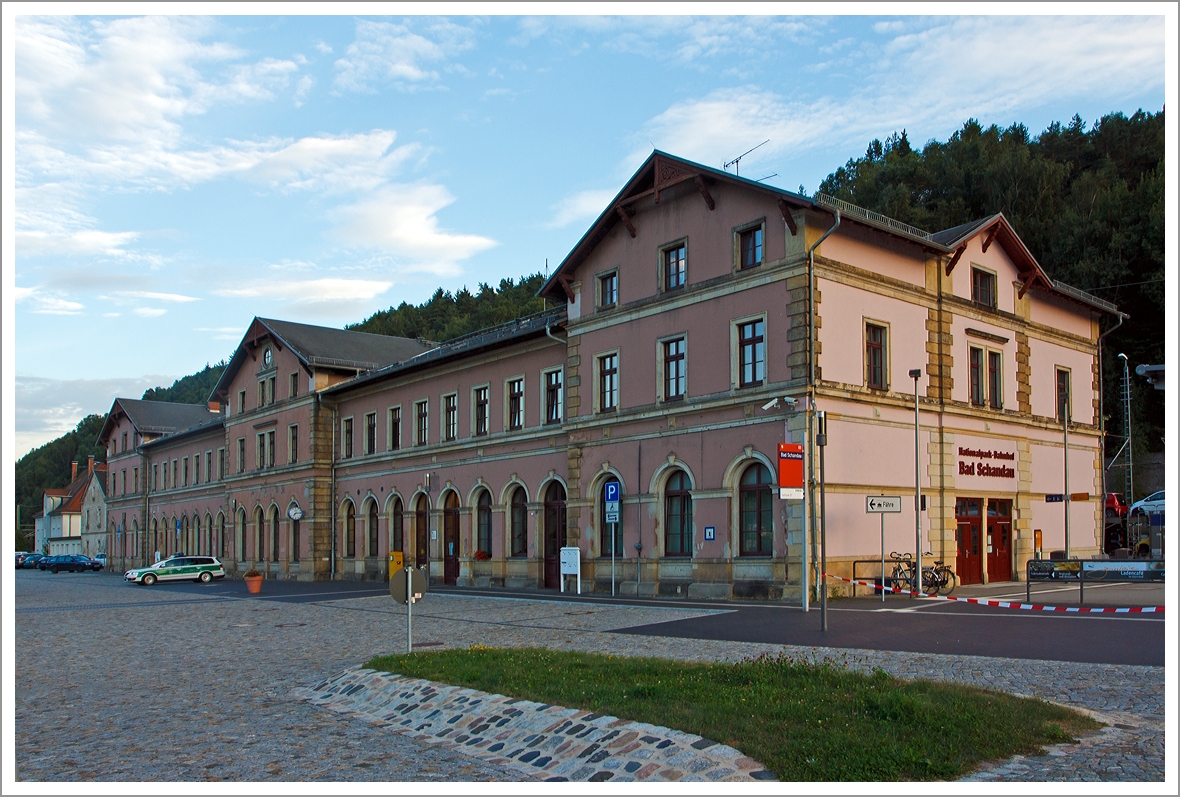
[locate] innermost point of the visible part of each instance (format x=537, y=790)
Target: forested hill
x=191, y=389
x=1088, y=202
x=447, y=315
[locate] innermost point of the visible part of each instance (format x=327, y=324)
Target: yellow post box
x=396, y=561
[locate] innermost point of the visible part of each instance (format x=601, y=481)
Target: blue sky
x=176, y=176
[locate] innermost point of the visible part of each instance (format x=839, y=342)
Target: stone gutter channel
x=541, y=742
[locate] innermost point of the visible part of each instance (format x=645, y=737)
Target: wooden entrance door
x=999, y=540
x=422, y=533
x=554, y=533
x=451, y=539
x=968, y=517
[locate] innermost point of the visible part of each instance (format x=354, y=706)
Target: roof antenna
x=736, y=162
x=767, y=177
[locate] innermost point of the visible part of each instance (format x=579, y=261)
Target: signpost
x=571, y=565
x=790, y=471
x=407, y=586
x=614, y=496
x=882, y=504
x=1054, y=498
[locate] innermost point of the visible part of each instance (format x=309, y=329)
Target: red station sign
x=790, y=466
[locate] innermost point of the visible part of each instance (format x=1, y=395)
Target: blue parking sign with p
x=612, y=491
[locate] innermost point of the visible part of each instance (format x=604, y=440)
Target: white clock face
x=266, y=357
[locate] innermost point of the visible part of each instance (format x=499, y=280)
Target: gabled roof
x=321, y=347
x=996, y=229
x=212, y=421
x=75, y=492
x=659, y=172
x=153, y=417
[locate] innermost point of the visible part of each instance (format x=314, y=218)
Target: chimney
x=90, y=464
x=214, y=406
x=73, y=470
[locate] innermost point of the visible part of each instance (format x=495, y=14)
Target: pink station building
x=694, y=301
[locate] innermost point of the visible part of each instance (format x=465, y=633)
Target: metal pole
x=821, y=440
x=1065, y=427
x=409, y=610
x=613, y=531
x=917, y=590
x=882, y=557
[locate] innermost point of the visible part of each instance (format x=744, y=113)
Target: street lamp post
x=821, y=440
x=1065, y=402
x=916, y=374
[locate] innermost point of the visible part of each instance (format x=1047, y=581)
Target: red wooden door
x=999, y=540
x=451, y=540
x=554, y=533
x=969, y=562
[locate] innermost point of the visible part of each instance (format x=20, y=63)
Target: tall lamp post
x=821, y=440
x=916, y=374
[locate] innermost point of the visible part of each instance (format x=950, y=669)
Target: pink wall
x=1043, y=360
x=844, y=310
x=996, y=260
x=871, y=250
x=961, y=369
x=1058, y=313
x=1048, y=471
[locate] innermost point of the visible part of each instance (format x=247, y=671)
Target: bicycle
x=937, y=579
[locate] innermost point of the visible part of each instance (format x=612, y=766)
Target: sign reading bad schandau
x=981, y=468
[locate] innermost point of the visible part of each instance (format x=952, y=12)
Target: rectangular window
x=608, y=383
x=516, y=404
x=995, y=379
x=395, y=428
x=196, y=468
x=346, y=438
x=975, y=364
x=175, y=475
x=1063, y=408
x=270, y=448
x=293, y=386
x=752, y=353
x=481, y=410
x=260, y=451
x=293, y=443
x=750, y=248
x=155, y=477
x=208, y=466
x=875, y=356
x=675, y=376
x=220, y=463
x=675, y=267
x=608, y=290
x=262, y=393
x=983, y=287
x=241, y=401
x=184, y=470
x=553, y=397
x=167, y=482
x=421, y=423
x=450, y=417
x=371, y=433
x=271, y=390
x=241, y=455
x=124, y=482
x=135, y=479
x=124, y=441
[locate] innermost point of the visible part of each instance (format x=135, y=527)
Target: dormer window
x=675, y=263
x=983, y=287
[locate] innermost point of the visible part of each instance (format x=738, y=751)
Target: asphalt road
x=897, y=624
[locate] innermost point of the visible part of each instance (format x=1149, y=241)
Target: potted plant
x=253, y=580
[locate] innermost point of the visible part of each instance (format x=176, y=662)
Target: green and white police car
x=178, y=568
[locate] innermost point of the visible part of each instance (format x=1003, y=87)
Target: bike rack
x=884, y=579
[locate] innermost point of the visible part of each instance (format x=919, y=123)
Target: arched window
x=421, y=532
x=240, y=533
x=483, y=523
x=371, y=527
x=210, y=549
x=757, y=506
x=295, y=541
x=221, y=535
x=349, y=530
x=554, y=518
x=604, y=528
x=677, y=515
x=274, y=534
x=520, y=517
x=259, y=535
x=195, y=535
x=397, y=523
x=182, y=539
x=155, y=537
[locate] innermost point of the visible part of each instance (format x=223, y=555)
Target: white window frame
x=598, y=358
x=738, y=232
x=661, y=381
x=661, y=276
x=486, y=387
x=735, y=351
x=450, y=418
x=508, y=403
x=599, y=302
x=347, y=444
x=373, y=417
x=423, y=438
x=393, y=430
x=544, y=401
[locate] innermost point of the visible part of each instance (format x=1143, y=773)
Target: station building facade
x=692, y=303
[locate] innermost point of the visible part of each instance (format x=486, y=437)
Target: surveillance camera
x=770, y=404
x=790, y=402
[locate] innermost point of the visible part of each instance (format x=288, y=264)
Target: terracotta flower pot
x=253, y=584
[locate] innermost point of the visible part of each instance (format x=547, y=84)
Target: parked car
x=178, y=568
x=1116, y=506
x=101, y=558
x=73, y=562
x=1149, y=505
x=44, y=561
x=30, y=560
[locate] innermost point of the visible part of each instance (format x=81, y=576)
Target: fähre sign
x=983, y=468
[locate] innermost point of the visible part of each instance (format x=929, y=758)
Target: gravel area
x=201, y=688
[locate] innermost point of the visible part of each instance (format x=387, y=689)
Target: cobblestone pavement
x=211, y=681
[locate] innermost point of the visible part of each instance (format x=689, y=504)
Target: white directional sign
x=877, y=504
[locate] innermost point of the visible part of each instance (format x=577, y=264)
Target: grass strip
x=806, y=720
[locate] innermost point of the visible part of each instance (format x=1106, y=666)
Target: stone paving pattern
x=551, y=743
x=201, y=689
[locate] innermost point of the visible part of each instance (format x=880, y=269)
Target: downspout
x=810, y=502
x=332, y=494
x=1102, y=425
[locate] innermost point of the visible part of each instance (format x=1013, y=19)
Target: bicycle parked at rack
x=937, y=579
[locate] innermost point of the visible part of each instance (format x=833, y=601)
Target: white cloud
x=149, y=312
x=391, y=53
x=52, y=305
x=933, y=80
x=222, y=333
x=328, y=289
x=401, y=220
x=163, y=297
x=323, y=47
x=359, y=162
x=20, y=293
x=581, y=206
x=302, y=89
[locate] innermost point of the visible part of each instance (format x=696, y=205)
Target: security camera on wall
x=770, y=405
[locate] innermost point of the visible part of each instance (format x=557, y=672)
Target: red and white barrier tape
x=1036, y=607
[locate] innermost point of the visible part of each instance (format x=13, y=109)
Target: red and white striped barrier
x=1036, y=607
